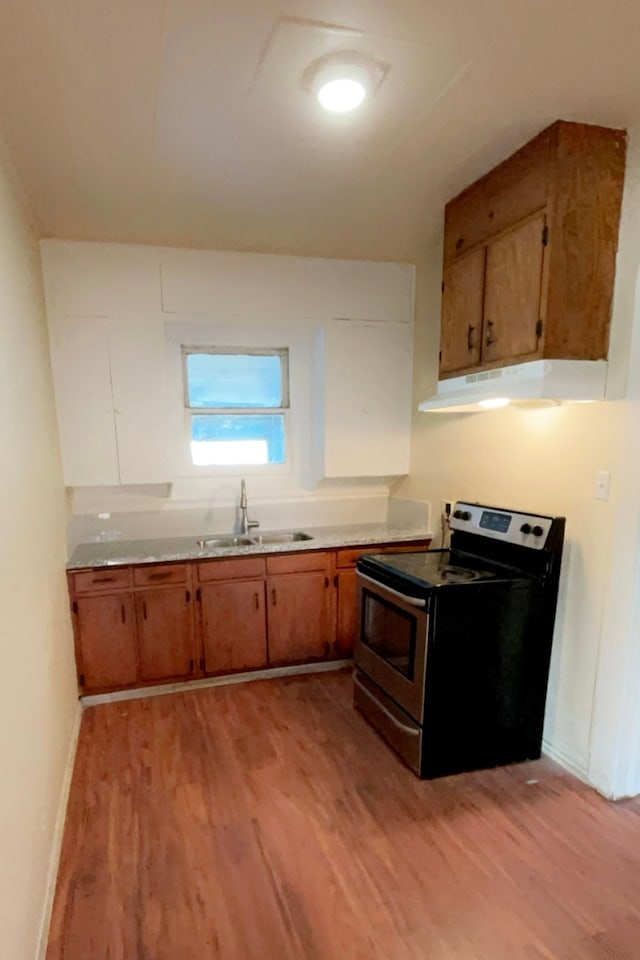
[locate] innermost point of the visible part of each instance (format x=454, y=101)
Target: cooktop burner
x=431, y=568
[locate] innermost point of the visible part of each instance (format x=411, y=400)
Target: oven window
x=389, y=632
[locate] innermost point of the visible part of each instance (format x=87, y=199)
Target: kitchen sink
x=263, y=539
x=226, y=542
x=259, y=540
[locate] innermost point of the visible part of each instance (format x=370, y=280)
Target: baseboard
x=565, y=761
x=166, y=688
x=58, y=832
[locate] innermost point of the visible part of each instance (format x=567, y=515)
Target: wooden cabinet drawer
x=243, y=567
x=350, y=555
x=299, y=562
x=108, y=578
x=159, y=573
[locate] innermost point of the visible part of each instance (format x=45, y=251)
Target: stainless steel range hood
x=538, y=382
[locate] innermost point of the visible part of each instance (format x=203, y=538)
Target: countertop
x=118, y=552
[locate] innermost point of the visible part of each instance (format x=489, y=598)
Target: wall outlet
x=446, y=507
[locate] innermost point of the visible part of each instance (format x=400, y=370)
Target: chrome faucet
x=245, y=523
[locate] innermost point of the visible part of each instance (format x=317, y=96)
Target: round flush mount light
x=341, y=81
x=341, y=87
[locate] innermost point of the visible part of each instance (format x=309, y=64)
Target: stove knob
x=537, y=531
x=525, y=528
x=462, y=514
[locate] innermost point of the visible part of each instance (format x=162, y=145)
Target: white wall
x=546, y=461
x=38, y=702
x=117, y=317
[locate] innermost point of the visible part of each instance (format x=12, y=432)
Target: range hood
x=536, y=383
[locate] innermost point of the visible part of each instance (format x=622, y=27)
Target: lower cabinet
x=157, y=623
x=164, y=634
x=105, y=629
x=233, y=626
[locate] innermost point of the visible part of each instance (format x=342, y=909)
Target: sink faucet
x=245, y=523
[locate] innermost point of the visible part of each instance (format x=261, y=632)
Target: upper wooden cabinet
x=529, y=253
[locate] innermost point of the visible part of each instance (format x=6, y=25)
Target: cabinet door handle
x=191, y=666
x=144, y=609
x=326, y=583
x=256, y=599
x=123, y=613
x=490, y=337
x=188, y=594
x=470, y=332
x=273, y=596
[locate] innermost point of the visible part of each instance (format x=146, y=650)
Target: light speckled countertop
x=113, y=553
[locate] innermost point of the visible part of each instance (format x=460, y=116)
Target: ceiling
x=189, y=122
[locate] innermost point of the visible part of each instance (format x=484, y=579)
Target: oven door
x=391, y=644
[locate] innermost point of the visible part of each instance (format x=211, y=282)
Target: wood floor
x=267, y=821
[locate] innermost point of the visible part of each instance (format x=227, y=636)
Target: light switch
x=603, y=482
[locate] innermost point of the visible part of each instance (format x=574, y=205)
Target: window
x=236, y=401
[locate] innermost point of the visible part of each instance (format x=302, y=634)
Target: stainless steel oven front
x=391, y=644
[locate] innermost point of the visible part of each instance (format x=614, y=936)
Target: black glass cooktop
x=431, y=568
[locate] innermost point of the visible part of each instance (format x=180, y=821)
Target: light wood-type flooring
x=267, y=821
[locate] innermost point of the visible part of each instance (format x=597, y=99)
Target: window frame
x=283, y=409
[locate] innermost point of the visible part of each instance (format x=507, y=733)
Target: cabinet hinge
x=188, y=593
x=443, y=286
x=74, y=606
x=545, y=235
x=336, y=580
x=539, y=329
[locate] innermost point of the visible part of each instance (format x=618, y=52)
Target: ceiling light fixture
x=341, y=87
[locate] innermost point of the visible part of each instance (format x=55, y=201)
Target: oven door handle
x=398, y=723
x=412, y=601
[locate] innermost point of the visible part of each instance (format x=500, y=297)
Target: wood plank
x=462, y=311
x=512, y=296
x=585, y=217
x=268, y=820
x=515, y=189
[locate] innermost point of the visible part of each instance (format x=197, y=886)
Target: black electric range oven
x=453, y=648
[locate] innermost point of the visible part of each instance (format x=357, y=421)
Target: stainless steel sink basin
x=263, y=539
x=259, y=540
x=225, y=542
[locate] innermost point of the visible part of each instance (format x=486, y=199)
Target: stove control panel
x=511, y=526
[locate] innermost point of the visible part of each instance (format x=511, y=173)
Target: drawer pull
x=470, y=332
x=103, y=580
x=160, y=576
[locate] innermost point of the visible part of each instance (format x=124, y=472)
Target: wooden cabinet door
x=346, y=618
x=106, y=637
x=234, y=629
x=301, y=620
x=513, y=293
x=462, y=299
x=164, y=633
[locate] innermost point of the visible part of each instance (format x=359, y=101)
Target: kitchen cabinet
x=300, y=607
x=105, y=631
x=529, y=254
x=362, y=399
x=164, y=634
x=132, y=626
x=163, y=622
